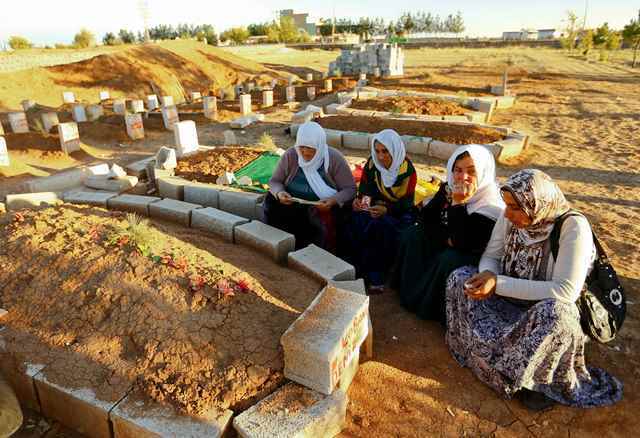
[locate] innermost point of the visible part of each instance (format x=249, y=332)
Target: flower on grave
x=243, y=285
x=95, y=233
x=122, y=241
x=225, y=288
x=196, y=283
x=18, y=217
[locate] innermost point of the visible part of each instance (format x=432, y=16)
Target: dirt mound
x=208, y=166
x=169, y=68
x=185, y=318
x=49, y=143
x=447, y=132
x=412, y=105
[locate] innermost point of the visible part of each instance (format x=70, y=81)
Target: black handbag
x=602, y=303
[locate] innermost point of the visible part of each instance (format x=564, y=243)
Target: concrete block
x=321, y=264
x=210, y=107
x=152, y=102
x=64, y=181
x=504, y=102
x=328, y=85
x=135, y=127
x=455, y=118
x=202, y=194
x=79, y=113
x=477, y=117
x=171, y=187
x=311, y=93
x=172, y=210
x=166, y=158
x=170, y=117
x=280, y=415
x=132, y=203
x=309, y=77
x=4, y=154
x=245, y=104
x=94, y=112
x=49, y=120
x=69, y=137
x=135, y=417
x=267, y=98
x=77, y=409
x=137, y=106
x=167, y=101
x=442, y=150
x=356, y=140
x=104, y=95
x=267, y=239
x=111, y=185
x=195, y=96
x=68, y=97
x=98, y=199
x=416, y=145
x=18, y=122
x=320, y=345
x=356, y=286
x=290, y=93
x=510, y=147
x=138, y=168
x=186, y=137
x=334, y=138
x=120, y=106
x=333, y=108
x=240, y=203
x=217, y=222
x=27, y=104
x=31, y=200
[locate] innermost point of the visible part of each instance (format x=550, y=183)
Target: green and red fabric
x=399, y=198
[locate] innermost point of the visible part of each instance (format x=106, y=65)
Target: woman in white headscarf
x=382, y=209
x=313, y=172
x=453, y=231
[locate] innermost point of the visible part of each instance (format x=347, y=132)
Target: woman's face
x=383, y=155
x=465, y=178
x=514, y=212
x=307, y=152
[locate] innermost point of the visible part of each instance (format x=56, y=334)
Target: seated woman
x=383, y=208
x=454, y=229
x=311, y=171
x=516, y=323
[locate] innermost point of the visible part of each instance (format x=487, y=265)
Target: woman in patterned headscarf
x=516, y=323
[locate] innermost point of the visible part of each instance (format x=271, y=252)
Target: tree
x=18, y=43
x=457, y=24
x=109, y=39
x=257, y=29
x=407, y=23
x=126, y=36
x=365, y=28
x=288, y=30
x=585, y=41
x=631, y=34
x=568, y=41
x=236, y=34
x=84, y=39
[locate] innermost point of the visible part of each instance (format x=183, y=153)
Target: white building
x=521, y=35
x=548, y=34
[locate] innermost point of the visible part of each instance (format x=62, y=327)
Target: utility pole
x=584, y=20
x=143, y=6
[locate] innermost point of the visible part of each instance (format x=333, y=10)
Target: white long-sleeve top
x=565, y=278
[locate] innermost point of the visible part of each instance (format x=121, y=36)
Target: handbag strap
x=554, y=238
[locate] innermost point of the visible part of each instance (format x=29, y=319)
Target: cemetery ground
x=585, y=122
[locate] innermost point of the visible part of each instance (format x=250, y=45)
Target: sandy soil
x=457, y=134
x=208, y=166
x=411, y=105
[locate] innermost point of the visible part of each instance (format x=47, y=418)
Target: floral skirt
x=514, y=344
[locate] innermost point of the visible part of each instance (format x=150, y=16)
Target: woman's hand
x=377, y=211
x=481, y=286
x=326, y=204
x=458, y=198
x=357, y=204
x=284, y=198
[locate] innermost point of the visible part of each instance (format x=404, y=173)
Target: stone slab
x=63, y=181
x=324, y=416
x=136, y=418
x=217, y=222
x=77, y=409
x=334, y=137
x=171, y=187
x=172, y=210
x=111, y=185
x=322, y=342
x=442, y=150
x=416, y=145
x=504, y=102
x=267, y=239
x=356, y=140
x=321, y=264
x=186, y=137
x=18, y=122
x=31, y=200
x=203, y=194
x=511, y=147
x=358, y=286
x=4, y=153
x=132, y=203
x=240, y=203
x=138, y=168
x=49, y=120
x=98, y=199
x=69, y=137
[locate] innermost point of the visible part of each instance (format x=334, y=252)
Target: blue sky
x=47, y=21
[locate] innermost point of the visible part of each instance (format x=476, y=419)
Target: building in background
x=548, y=34
x=521, y=35
x=301, y=21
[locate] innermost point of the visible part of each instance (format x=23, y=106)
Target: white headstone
x=104, y=95
x=250, y=86
x=27, y=104
x=152, y=102
x=230, y=138
x=167, y=100
x=94, y=112
x=274, y=82
x=135, y=128
x=4, y=154
x=195, y=96
x=1, y=129
x=79, y=114
x=311, y=93
x=376, y=72
x=210, y=106
x=186, y=137
x=328, y=85
x=166, y=158
x=137, y=106
x=291, y=94
x=69, y=137
x=292, y=79
x=49, y=120
x=170, y=117
x=18, y=122
x=226, y=179
x=119, y=106
x=68, y=97
x=245, y=104
x=309, y=77
x=267, y=98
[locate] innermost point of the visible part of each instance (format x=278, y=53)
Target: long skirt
x=515, y=344
x=308, y=224
x=371, y=243
x=421, y=271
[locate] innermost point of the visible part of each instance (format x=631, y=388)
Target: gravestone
x=267, y=98
x=49, y=120
x=186, y=137
x=104, y=95
x=4, y=154
x=69, y=137
x=68, y=97
x=135, y=128
x=152, y=102
x=120, y=106
x=210, y=105
x=170, y=117
x=18, y=122
x=245, y=104
x=79, y=113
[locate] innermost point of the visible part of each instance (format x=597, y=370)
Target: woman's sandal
x=535, y=401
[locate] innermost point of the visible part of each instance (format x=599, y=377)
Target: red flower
x=196, y=283
x=225, y=288
x=18, y=217
x=243, y=285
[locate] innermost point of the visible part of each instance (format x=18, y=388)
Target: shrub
x=84, y=39
x=18, y=43
x=109, y=39
x=267, y=141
